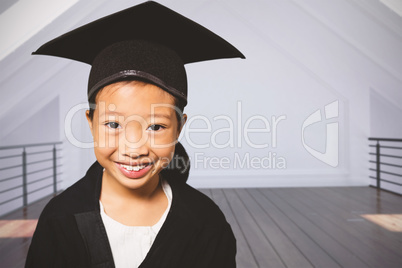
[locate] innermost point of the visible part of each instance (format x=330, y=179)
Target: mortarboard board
x=148, y=42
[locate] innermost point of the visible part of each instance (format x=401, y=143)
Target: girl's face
x=135, y=129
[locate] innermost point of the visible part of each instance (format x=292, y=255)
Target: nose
x=134, y=142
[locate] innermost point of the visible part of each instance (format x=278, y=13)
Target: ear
x=183, y=121
x=89, y=121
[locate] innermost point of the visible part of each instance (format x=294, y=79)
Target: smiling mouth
x=134, y=168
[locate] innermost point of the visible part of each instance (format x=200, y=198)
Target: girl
x=133, y=207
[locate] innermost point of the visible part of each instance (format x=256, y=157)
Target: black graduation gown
x=70, y=231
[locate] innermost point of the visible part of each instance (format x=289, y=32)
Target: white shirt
x=130, y=244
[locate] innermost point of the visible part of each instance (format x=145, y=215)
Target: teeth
x=135, y=168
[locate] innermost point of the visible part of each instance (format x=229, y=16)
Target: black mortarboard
x=148, y=42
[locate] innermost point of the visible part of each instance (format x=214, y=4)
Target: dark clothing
x=70, y=231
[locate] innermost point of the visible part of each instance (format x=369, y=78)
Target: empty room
x=202, y=133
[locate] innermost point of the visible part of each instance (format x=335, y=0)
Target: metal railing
x=30, y=161
x=382, y=161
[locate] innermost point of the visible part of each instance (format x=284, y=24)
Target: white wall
x=40, y=127
x=301, y=56
x=385, y=118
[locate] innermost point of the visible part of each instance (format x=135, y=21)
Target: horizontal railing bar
x=392, y=165
x=11, y=156
x=28, y=164
x=12, y=199
x=6, y=179
x=387, y=164
x=387, y=155
x=10, y=189
x=387, y=147
x=41, y=179
x=384, y=139
x=391, y=173
x=36, y=190
x=19, y=176
x=396, y=183
x=40, y=161
x=385, y=181
x=386, y=172
x=391, y=147
x=39, y=170
x=29, y=145
x=40, y=152
x=10, y=167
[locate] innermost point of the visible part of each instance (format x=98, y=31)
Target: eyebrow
x=148, y=116
x=159, y=115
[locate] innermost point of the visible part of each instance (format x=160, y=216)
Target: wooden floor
x=288, y=227
x=311, y=227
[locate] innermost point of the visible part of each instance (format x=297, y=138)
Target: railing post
x=24, y=178
x=378, y=164
x=54, y=170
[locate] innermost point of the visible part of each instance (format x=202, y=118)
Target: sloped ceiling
x=6, y=4
x=369, y=27
x=395, y=5
x=27, y=18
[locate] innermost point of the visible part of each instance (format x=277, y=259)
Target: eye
x=113, y=125
x=155, y=127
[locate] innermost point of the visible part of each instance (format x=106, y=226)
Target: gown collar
x=93, y=231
